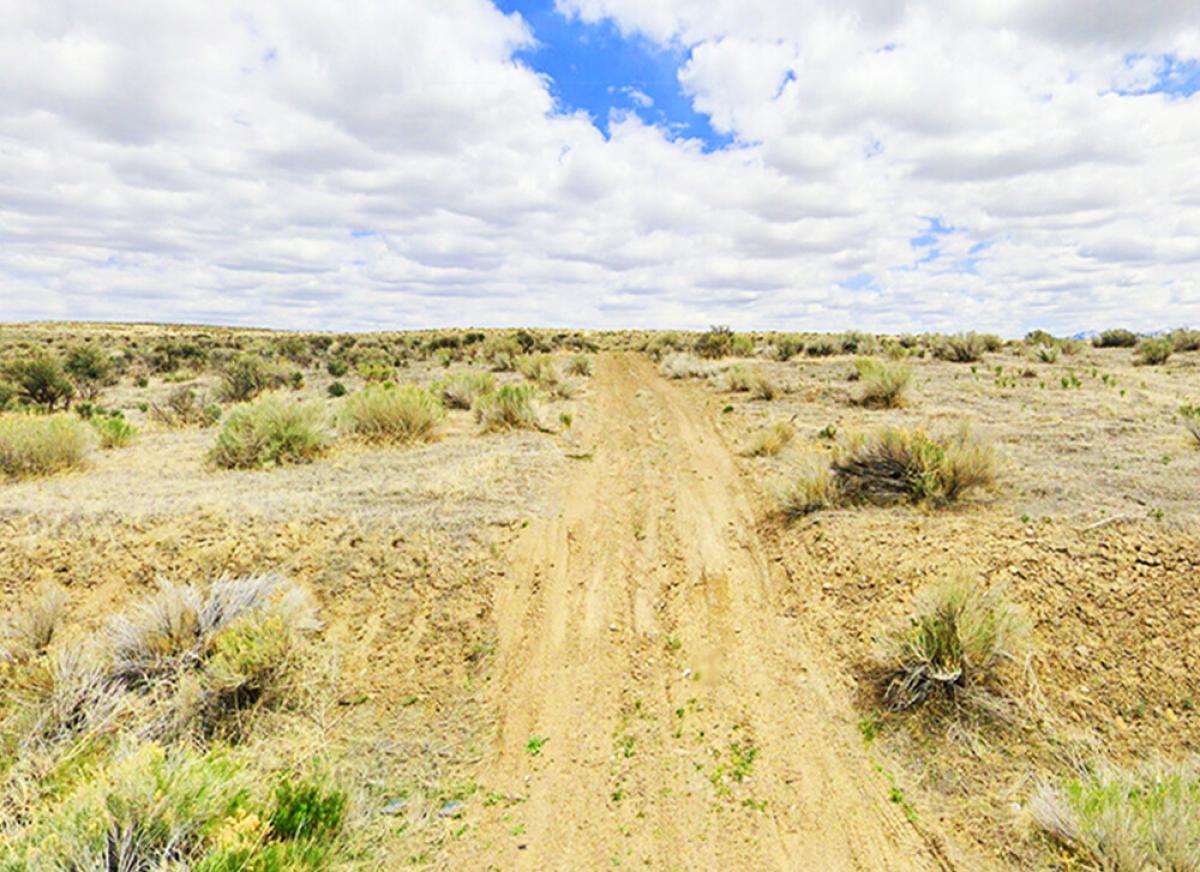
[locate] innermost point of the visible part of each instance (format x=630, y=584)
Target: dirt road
x=656, y=708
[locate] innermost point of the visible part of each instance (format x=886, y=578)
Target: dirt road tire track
x=639, y=635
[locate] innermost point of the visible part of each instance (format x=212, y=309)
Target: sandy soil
x=643, y=652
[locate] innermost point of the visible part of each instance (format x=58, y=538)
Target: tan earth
x=656, y=705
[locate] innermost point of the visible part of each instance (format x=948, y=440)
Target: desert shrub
x=306, y=810
x=336, y=389
x=894, y=466
x=1185, y=340
x=294, y=348
x=682, y=365
x=32, y=445
x=1040, y=337
x=854, y=342
x=171, y=354
x=152, y=809
x=787, y=347
x=268, y=431
x=563, y=389
x=770, y=440
x=337, y=367
x=31, y=629
x=955, y=645
x=1126, y=820
x=245, y=377
x=501, y=352
x=248, y=664
x=463, y=389
x=40, y=381
x=179, y=628
x=539, y=368
x=742, y=345
x=961, y=348
x=185, y=408
x=510, y=407
x=1154, y=351
x=715, y=344
x=822, y=346
x=1191, y=419
x=390, y=414
x=1046, y=353
x=663, y=344
x=579, y=364
x=761, y=386
x=8, y=393
x=738, y=378
x=1116, y=339
x=90, y=368
x=810, y=489
x=881, y=383
x=114, y=431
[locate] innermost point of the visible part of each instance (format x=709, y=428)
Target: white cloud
x=382, y=164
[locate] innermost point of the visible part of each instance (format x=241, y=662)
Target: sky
x=999, y=165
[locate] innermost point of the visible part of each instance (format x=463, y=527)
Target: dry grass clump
x=31, y=630
x=181, y=626
x=961, y=348
x=463, y=389
x=954, y=646
x=61, y=697
x=1154, y=351
x=893, y=466
x=580, y=364
x=271, y=431
x=744, y=379
x=738, y=378
x=683, y=365
x=881, y=383
x=539, y=368
x=811, y=489
x=1126, y=820
x=896, y=466
x=509, y=408
x=771, y=440
x=389, y=414
x=32, y=445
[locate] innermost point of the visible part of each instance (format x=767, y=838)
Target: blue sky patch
x=935, y=229
x=857, y=282
x=1173, y=75
x=597, y=69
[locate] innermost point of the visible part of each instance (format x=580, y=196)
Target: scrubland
x=512, y=599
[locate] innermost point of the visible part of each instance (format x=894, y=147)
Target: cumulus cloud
x=381, y=164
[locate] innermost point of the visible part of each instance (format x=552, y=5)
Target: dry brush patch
x=892, y=466
x=380, y=699
x=35, y=445
x=959, y=639
x=271, y=431
x=391, y=414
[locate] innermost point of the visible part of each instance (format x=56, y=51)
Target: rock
x=451, y=809
x=395, y=806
